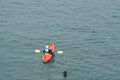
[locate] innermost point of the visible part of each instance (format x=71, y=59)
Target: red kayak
x=47, y=56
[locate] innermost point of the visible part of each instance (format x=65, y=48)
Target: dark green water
x=88, y=31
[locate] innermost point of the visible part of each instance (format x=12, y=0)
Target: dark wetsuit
x=50, y=51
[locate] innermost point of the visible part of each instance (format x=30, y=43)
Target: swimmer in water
x=65, y=73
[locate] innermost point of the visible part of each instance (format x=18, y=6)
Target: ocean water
x=88, y=32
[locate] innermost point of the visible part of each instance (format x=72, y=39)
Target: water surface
x=88, y=31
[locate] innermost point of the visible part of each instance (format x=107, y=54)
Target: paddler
x=47, y=51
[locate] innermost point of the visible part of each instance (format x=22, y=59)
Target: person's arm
x=50, y=51
x=43, y=51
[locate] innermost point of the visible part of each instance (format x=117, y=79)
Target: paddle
x=59, y=51
x=38, y=51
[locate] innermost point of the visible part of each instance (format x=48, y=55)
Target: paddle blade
x=60, y=52
x=37, y=51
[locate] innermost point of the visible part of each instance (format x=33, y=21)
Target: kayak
x=46, y=57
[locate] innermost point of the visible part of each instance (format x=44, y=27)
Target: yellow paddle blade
x=46, y=46
x=37, y=51
x=60, y=52
x=37, y=58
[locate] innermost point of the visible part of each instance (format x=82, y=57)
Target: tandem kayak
x=46, y=57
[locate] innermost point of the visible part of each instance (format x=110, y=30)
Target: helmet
x=46, y=50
